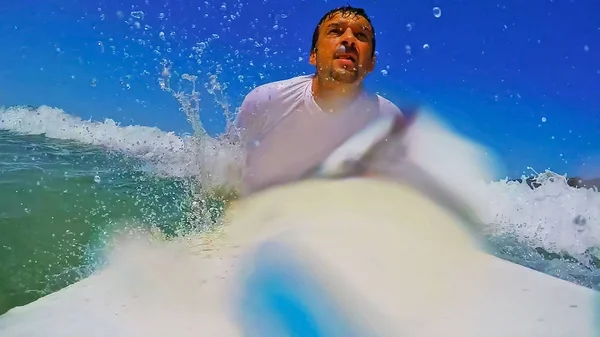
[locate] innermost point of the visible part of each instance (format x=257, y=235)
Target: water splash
x=206, y=150
x=553, y=216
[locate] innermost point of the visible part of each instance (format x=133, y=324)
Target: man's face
x=346, y=65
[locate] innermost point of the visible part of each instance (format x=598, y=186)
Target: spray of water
x=211, y=182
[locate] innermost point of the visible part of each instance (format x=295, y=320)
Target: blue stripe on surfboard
x=280, y=298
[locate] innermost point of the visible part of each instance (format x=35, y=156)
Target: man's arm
x=248, y=122
x=247, y=125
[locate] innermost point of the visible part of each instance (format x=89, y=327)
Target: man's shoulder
x=387, y=107
x=273, y=90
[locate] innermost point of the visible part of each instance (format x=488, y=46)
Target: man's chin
x=345, y=76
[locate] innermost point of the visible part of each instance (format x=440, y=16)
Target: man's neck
x=330, y=95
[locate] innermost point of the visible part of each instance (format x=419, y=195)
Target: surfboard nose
x=361, y=257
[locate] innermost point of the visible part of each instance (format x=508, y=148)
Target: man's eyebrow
x=337, y=25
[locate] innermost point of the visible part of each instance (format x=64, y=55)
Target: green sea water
x=60, y=201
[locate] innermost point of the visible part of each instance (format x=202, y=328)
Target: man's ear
x=313, y=57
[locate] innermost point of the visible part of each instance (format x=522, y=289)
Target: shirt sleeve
x=246, y=129
x=250, y=120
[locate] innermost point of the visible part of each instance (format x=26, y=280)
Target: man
x=290, y=126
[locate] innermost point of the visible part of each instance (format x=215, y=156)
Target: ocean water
x=69, y=184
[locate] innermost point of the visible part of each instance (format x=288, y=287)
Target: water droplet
x=426, y=46
x=97, y=179
x=166, y=72
x=384, y=72
x=138, y=15
x=93, y=82
x=586, y=48
x=580, y=222
x=437, y=12
x=409, y=26
x=544, y=119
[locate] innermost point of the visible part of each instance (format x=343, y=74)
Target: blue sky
x=493, y=70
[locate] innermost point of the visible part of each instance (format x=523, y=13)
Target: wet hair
x=346, y=11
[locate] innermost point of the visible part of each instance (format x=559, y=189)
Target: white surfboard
x=346, y=258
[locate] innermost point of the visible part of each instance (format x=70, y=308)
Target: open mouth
x=346, y=57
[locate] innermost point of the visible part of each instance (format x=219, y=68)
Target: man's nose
x=348, y=38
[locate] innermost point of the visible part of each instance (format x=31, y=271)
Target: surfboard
x=376, y=258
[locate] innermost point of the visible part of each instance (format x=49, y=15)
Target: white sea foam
x=169, y=154
x=554, y=216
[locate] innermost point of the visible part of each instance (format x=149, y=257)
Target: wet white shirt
x=284, y=132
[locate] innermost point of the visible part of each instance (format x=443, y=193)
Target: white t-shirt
x=284, y=132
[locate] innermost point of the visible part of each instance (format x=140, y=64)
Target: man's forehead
x=346, y=19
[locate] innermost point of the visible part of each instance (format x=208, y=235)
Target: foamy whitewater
x=166, y=153
x=555, y=217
